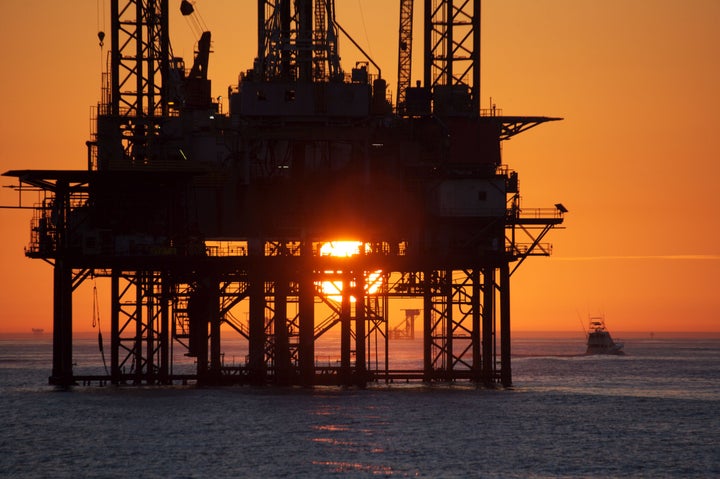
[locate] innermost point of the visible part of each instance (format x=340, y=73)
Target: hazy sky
x=636, y=160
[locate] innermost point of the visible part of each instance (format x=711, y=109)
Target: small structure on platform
x=406, y=329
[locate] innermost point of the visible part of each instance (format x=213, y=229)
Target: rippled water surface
x=651, y=413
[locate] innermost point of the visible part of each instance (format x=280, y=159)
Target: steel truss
x=405, y=42
x=154, y=324
x=452, y=60
x=163, y=310
x=136, y=99
x=297, y=40
x=460, y=324
x=140, y=326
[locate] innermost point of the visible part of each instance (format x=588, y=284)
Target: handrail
x=536, y=213
x=530, y=249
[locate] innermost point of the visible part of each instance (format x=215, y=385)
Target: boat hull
x=600, y=342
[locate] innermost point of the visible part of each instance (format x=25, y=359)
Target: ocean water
x=652, y=413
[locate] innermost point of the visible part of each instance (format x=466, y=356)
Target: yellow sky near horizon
x=636, y=159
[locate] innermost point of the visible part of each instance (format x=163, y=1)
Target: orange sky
x=636, y=160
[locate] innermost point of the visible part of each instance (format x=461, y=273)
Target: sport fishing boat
x=599, y=340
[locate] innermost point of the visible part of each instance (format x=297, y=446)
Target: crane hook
x=186, y=8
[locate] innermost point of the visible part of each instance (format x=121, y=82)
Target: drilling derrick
x=134, y=94
x=452, y=55
x=214, y=229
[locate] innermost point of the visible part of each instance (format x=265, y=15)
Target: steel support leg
x=200, y=307
x=449, y=300
x=257, y=335
x=115, y=371
x=505, y=371
x=282, y=342
x=164, y=372
x=360, y=318
x=138, y=316
x=62, y=373
x=427, y=326
x=488, y=313
x=345, y=332
x=476, y=325
x=306, y=313
x=214, y=319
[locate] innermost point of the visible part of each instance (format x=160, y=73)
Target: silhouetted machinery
x=194, y=214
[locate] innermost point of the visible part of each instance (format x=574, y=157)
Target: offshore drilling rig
x=192, y=214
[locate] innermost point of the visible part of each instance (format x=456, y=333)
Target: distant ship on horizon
x=38, y=330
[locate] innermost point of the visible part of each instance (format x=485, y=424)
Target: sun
x=341, y=248
x=346, y=249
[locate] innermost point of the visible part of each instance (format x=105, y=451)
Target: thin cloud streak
x=684, y=257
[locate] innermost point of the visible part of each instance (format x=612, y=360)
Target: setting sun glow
x=345, y=249
x=340, y=248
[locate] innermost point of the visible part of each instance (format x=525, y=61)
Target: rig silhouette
x=193, y=214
